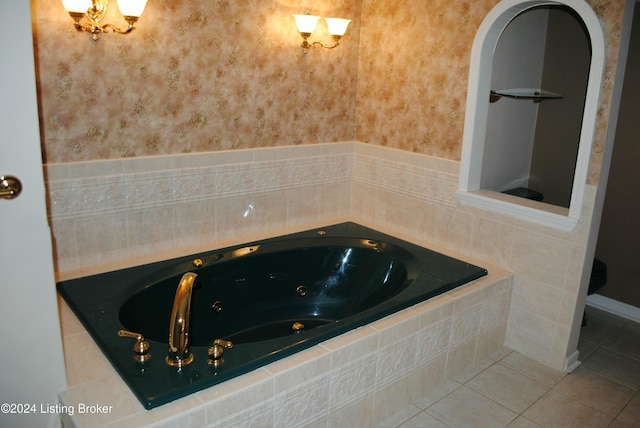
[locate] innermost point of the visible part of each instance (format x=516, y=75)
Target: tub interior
x=264, y=293
x=329, y=281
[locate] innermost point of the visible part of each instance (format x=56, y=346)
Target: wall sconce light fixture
x=94, y=10
x=307, y=24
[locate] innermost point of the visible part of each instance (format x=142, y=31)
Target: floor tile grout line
x=435, y=417
x=518, y=414
x=586, y=404
x=624, y=407
x=602, y=375
x=621, y=353
x=521, y=414
x=599, y=345
x=553, y=388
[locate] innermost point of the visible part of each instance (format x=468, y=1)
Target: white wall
x=517, y=63
x=31, y=362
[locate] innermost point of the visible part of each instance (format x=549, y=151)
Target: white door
x=31, y=360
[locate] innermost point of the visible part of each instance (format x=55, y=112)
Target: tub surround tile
x=81, y=352
x=299, y=368
x=302, y=404
x=435, y=309
x=353, y=360
x=561, y=337
x=554, y=261
x=352, y=381
x=109, y=391
x=356, y=414
x=545, y=299
x=364, y=375
x=242, y=193
x=537, y=256
x=491, y=340
x=405, y=323
x=454, y=227
x=461, y=358
x=427, y=377
x=388, y=399
x=530, y=331
x=187, y=414
x=395, y=358
x=434, y=340
x=420, y=188
x=493, y=238
x=344, y=349
x=69, y=323
x=465, y=324
x=252, y=390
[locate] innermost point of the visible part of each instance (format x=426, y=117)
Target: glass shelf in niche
x=536, y=95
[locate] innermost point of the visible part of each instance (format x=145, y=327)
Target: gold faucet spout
x=179, y=354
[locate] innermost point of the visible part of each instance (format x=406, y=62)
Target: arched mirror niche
x=534, y=82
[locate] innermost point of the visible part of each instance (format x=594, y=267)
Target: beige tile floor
x=510, y=390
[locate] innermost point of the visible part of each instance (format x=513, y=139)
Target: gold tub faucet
x=179, y=354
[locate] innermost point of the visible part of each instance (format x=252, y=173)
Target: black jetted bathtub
x=270, y=298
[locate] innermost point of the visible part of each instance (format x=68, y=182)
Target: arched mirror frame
x=477, y=112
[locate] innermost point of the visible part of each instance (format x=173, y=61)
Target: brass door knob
x=10, y=187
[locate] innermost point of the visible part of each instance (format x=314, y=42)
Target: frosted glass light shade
x=131, y=7
x=76, y=6
x=306, y=23
x=337, y=26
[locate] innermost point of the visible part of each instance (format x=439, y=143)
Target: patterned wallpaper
x=193, y=76
x=223, y=74
x=413, y=80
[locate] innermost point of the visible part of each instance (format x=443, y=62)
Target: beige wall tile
x=357, y=414
x=461, y=358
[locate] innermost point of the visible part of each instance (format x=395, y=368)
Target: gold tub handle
x=141, y=349
x=216, y=350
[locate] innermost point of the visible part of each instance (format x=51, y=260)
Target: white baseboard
x=571, y=362
x=614, y=307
